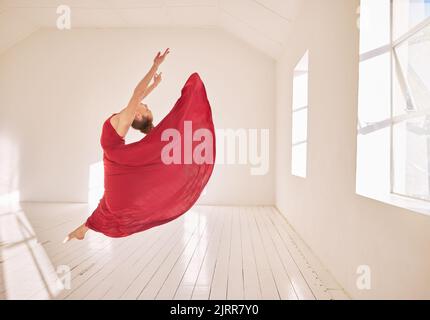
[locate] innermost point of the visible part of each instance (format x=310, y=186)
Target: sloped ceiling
x=264, y=24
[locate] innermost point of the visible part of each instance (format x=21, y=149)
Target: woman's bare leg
x=78, y=233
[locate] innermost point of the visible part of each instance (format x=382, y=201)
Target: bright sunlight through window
x=393, y=147
x=300, y=118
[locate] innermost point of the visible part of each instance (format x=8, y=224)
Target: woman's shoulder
x=109, y=134
x=113, y=118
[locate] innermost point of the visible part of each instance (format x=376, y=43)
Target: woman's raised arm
x=142, y=90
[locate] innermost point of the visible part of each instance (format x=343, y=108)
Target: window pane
x=300, y=89
x=373, y=164
x=300, y=98
x=374, y=24
x=407, y=14
x=411, y=150
x=300, y=126
x=412, y=81
x=374, y=90
x=298, y=160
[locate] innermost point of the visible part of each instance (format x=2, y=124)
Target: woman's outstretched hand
x=159, y=59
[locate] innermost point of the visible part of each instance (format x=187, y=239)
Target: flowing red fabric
x=141, y=190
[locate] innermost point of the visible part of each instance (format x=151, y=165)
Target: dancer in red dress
x=160, y=177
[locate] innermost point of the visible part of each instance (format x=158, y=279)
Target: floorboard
x=211, y=252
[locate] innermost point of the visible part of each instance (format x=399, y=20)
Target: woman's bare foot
x=78, y=233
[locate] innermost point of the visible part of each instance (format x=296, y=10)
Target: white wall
x=344, y=229
x=57, y=88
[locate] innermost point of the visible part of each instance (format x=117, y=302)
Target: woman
x=142, y=190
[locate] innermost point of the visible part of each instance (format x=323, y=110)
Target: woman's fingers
x=160, y=57
x=166, y=52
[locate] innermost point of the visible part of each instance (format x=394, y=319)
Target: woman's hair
x=144, y=126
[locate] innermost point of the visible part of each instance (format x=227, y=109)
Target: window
x=300, y=118
x=393, y=143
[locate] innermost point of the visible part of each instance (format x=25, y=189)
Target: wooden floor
x=208, y=253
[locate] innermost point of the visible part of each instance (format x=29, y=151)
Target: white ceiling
x=263, y=24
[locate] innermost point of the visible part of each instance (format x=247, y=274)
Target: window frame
x=295, y=110
x=394, y=119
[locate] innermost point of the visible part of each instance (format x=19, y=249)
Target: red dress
x=142, y=189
